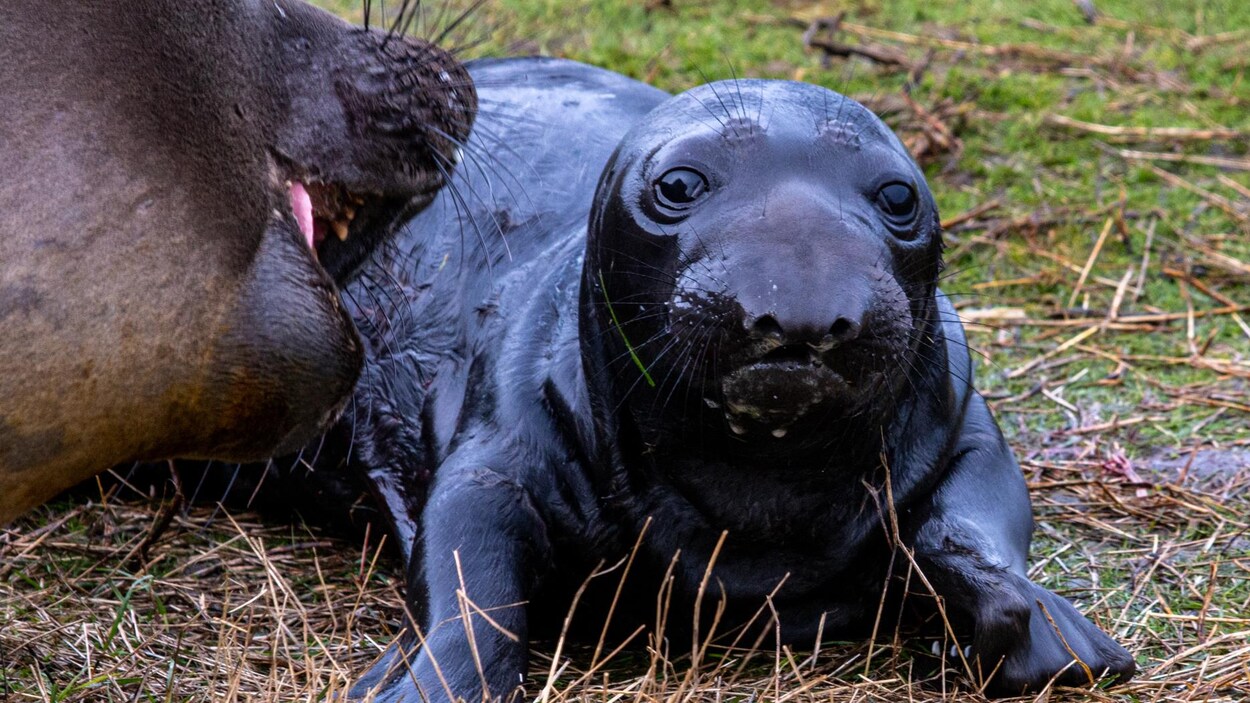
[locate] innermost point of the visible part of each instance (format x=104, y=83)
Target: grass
x=1105, y=272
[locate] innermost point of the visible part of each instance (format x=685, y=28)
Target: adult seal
x=184, y=182
x=699, y=338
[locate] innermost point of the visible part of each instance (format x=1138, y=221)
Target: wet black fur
x=507, y=430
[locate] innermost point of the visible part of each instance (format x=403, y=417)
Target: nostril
x=843, y=329
x=766, y=326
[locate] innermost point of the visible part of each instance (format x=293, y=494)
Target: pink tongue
x=301, y=204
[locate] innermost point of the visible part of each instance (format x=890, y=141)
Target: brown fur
x=156, y=297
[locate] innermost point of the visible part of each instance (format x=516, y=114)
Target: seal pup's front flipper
x=471, y=570
x=971, y=543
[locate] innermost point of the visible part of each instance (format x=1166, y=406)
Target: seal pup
x=706, y=340
x=184, y=184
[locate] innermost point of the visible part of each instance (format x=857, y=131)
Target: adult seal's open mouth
x=185, y=183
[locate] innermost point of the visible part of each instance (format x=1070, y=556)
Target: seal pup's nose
x=805, y=329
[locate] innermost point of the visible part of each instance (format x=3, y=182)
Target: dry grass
x=231, y=608
x=219, y=609
x=1114, y=329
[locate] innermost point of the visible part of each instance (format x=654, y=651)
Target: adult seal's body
x=736, y=332
x=183, y=184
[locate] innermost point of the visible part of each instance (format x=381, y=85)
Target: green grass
x=1139, y=69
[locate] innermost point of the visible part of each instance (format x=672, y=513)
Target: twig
x=972, y=214
x=1220, y=161
x=1089, y=263
x=1147, y=133
x=1145, y=258
x=1215, y=199
x=1076, y=339
x=874, y=52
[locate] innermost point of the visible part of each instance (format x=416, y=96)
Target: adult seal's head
x=184, y=183
x=771, y=267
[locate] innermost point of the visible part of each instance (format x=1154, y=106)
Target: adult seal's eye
x=679, y=188
x=898, y=200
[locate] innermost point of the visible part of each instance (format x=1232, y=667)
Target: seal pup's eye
x=898, y=200
x=679, y=187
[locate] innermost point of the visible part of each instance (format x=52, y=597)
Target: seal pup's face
x=768, y=253
x=185, y=183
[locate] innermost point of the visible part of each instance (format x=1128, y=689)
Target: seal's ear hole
x=678, y=188
x=898, y=200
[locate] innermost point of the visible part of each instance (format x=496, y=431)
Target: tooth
x=737, y=429
x=340, y=230
x=779, y=432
